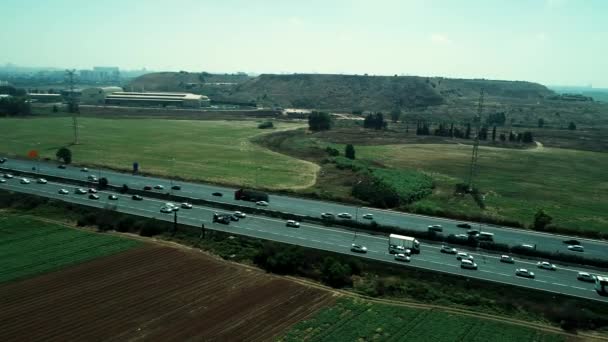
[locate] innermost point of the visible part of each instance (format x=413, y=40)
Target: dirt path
x=539, y=146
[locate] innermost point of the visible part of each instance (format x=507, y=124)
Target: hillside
x=341, y=92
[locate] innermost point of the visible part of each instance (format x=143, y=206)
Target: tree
x=541, y=219
x=395, y=114
x=467, y=135
x=494, y=133
x=319, y=121
x=334, y=273
x=375, y=121
x=349, y=151
x=103, y=182
x=512, y=136
x=527, y=137
x=541, y=123
x=572, y=126
x=64, y=154
x=55, y=109
x=503, y=137
x=483, y=133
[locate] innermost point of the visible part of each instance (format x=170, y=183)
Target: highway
x=300, y=206
x=563, y=280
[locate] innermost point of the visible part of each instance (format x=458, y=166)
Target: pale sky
x=558, y=42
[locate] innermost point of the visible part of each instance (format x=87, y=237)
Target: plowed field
x=154, y=293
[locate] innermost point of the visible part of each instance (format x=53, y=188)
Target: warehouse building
x=115, y=96
x=97, y=95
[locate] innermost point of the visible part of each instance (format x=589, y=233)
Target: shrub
x=334, y=152
x=266, y=124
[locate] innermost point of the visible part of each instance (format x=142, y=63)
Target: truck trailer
x=405, y=242
x=250, y=195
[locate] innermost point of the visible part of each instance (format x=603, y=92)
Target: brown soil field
x=155, y=293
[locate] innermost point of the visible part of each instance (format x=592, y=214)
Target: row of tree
x=15, y=106
x=422, y=128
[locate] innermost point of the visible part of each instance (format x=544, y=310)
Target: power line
x=73, y=107
x=475, y=154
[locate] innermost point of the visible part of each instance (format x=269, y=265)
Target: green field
x=358, y=320
x=570, y=185
x=215, y=151
x=29, y=247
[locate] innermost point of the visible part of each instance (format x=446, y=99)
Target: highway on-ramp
x=563, y=280
x=314, y=208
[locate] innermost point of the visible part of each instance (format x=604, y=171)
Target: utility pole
x=72, y=104
x=475, y=153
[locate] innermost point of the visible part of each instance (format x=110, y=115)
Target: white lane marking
x=561, y=284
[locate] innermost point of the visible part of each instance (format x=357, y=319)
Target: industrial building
x=97, y=95
x=115, y=96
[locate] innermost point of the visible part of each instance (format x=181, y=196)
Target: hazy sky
x=549, y=41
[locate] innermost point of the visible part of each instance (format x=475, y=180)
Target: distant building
x=115, y=96
x=100, y=74
x=49, y=98
x=97, y=95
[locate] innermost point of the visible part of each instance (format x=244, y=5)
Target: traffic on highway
x=540, y=275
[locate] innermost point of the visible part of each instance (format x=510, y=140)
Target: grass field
x=29, y=247
x=570, y=185
x=215, y=151
x=358, y=320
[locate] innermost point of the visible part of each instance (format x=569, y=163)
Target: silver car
x=402, y=257
x=468, y=264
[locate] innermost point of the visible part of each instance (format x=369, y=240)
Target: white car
x=507, y=258
x=240, y=214
x=92, y=191
x=63, y=192
x=327, y=215
x=522, y=272
x=113, y=197
x=468, y=264
x=186, y=205
x=262, y=203
x=25, y=181
x=41, y=181
x=92, y=178
x=2, y=180
x=584, y=276
x=462, y=236
x=8, y=176
x=172, y=206
x=166, y=210
x=402, y=257
x=292, y=223
x=576, y=248
x=546, y=265
x=84, y=169
x=368, y=216
x=358, y=248
x=435, y=228
x=80, y=191
x=159, y=187
x=528, y=246
x=345, y=216
x=448, y=250
x=464, y=256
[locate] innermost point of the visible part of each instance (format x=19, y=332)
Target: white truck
x=397, y=243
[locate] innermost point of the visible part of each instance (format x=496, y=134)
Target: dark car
x=572, y=242
x=112, y=197
x=137, y=197
x=464, y=225
x=2, y=160
x=234, y=218
x=147, y=187
x=223, y=219
x=61, y=166
x=94, y=196
x=176, y=187
x=219, y=194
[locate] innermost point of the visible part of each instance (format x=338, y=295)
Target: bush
x=266, y=124
x=334, y=152
x=335, y=274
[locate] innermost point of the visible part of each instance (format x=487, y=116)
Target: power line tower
x=72, y=106
x=475, y=154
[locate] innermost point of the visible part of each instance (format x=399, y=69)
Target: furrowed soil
x=155, y=293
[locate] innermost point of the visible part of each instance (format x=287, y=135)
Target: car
x=223, y=219
x=113, y=197
x=368, y=216
x=137, y=198
x=571, y=242
x=435, y=228
x=176, y=187
x=546, y=265
x=24, y=181
x=448, y=250
x=461, y=236
x=94, y=196
x=464, y=256
x=3, y=160
x=234, y=218
x=80, y=191
x=262, y=203
x=173, y=206
x=8, y=176
x=468, y=264
x=186, y=205
x=576, y=248
x=528, y=246
x=84, y=169
x=472, y=232
x=61, y=166
x=147, y=187
x=217, y=194
x=2, y=180
x=346, y=216
x=358, y=248
x=522, y=272
x=41, y=181
x=63, y=192
x=464, y=225
x=584, y=276
x=159, y=187
x=292, y=223
x=92, y=178
x=402, y=257
x=507, y=258
x=240, y=214
x=92, y=191
x=166, y=210
x=327, y=215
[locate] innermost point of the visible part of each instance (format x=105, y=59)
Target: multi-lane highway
x=300, y=206
x=563, y=280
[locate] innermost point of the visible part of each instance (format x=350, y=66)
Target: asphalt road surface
x=300, y=206
x=563, y=280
